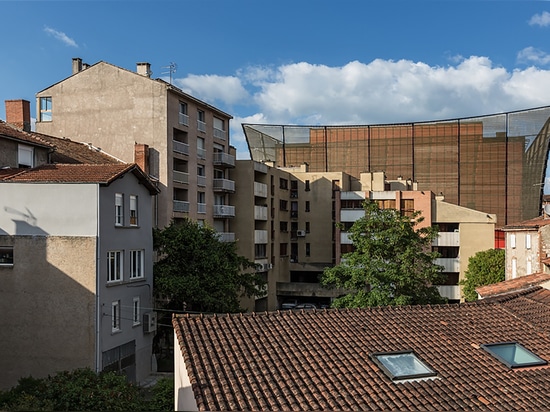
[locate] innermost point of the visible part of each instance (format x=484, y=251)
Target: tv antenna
x=171, y=69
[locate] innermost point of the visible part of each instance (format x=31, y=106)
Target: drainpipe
x=97, y=286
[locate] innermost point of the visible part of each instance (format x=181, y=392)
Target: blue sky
x=300, y=62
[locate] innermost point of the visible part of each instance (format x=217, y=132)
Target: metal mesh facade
x=495, y=163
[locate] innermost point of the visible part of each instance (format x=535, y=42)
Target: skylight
x=402, y=365
x=513, y=355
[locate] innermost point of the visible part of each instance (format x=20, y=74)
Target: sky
x=306, y=62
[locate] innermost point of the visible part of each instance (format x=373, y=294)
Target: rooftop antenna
x=171, y=69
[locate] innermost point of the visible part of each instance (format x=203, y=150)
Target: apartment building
x=495, y=163
x=183, y=142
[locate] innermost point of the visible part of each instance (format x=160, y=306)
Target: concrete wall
x=9, y=155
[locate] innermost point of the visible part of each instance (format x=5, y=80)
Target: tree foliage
x=198, y=272
x=392, y=262
x=484, y=268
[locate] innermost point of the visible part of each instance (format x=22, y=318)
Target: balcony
x=351, y=215
x=224, y=159
x=224, y=211
x=260, y=212
x=219, y=133
x=447, y=239
x=180, y=177
x=181, y=206
x=449, y=264
x=260, y=236
x=226, y=236
x=345, y=239
x=260, y=167
x=260, y=189
x=184, y=119
x=201, y=126
x=180, y=147
x=224, y=185
x=201, y=181
x=451, y=292
x=201, y=208
x=201, y=153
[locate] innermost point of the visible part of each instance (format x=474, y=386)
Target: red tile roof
x=511, y=285
x=10, y=131
x=79, y=173
x=319, y=359
x=534, y=223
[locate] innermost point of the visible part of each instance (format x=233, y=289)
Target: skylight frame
x=429, y=371
x=511, y=364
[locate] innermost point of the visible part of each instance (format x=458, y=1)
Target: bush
x=163, y=396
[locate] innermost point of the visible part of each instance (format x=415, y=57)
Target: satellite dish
x=547, y=209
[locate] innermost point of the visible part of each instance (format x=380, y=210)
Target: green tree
x=392, y=262
x=198, y=272
x=484, y=268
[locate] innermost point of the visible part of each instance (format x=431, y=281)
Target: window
x=133, y=210
x=528, y=241
x=136, y=311
x=283, y=226
x=25, y=156
x=402, y=365
x=114, y=261
x=283, y=183
x=201, y=115
x=136, y=264
x=307, y=186
x=115, y=316
x=307, y=206
x=219, y=128
x=283, y=249
x=307, y=227
x=283, y=204
x=183, y=117
x=45, y=109
x=308, y=249
x=201, y=121
x=513, y=355
x=513, y=241
x=119, y=209
x=201, y=151
x=6, y=255
x=260, y=250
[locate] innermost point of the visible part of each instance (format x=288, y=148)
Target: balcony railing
x=220, y=134
x=180, y=147
x=224, y=211
x=260, y=189
x=226, y=236
x=184, y=119
x=223, y=185
x=449, y=264
x=224, y=159
x=260, y=236
x=201, y=208
x=181, y=206
x=447, y=239
x=201, y=126
x=449, y=291
x=201, y=153
x=260, y=212
x=201, y=180
x=181, y=177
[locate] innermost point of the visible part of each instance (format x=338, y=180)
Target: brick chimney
x=144, y=69
x=141, y=156
x=18, y=113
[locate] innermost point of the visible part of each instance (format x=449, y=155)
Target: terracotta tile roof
x=534, y=223
x=511, y=285
x=319, y=359
x=79, y=173
x=10, y=131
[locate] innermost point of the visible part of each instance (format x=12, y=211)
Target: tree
x=392, y=262
x=198, y=272
x=484, y=268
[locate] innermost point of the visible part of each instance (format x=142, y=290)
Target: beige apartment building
x=180, y=141
x=295, y=222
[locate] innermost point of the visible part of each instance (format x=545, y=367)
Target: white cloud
x=382, y=91
x=542, y=19
x=532, y=55
x=60, y=36
x=212, y=88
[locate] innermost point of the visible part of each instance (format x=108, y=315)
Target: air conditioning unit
x=268, y=266
x=300, y=233
x=149, y=322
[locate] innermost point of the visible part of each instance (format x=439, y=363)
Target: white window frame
x=136, y=311
x=45, y=109
x=119, y=209
x=25, y=155
x=115, y=265
x=513, y=241
x=136, y=264
x=115, y=316
x=134, y=210
x=528, y=241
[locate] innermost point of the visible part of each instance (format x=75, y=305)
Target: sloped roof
x=10, y=131
x=512, y=285
x=102, y=174
x=319, y=359
x=534, y=223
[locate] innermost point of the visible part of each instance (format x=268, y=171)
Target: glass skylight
x=402, y=365
x=513, y=355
